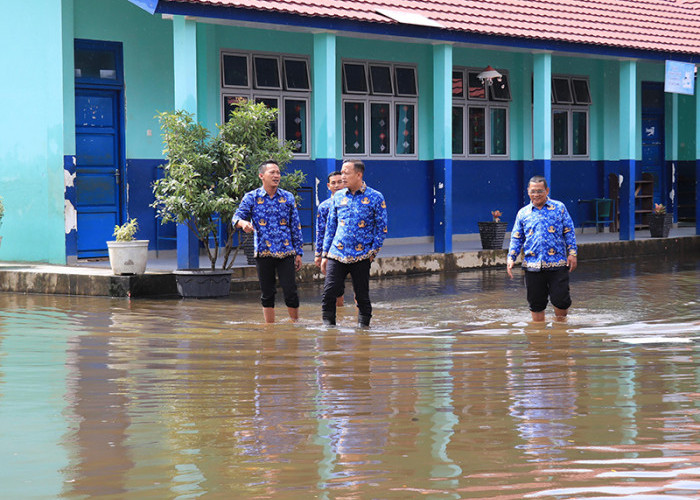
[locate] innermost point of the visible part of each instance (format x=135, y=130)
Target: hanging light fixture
x=488, y=75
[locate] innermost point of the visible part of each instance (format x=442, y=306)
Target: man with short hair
x=356, y=229
x=278, y=240
x=335, y=184
x=545, y=232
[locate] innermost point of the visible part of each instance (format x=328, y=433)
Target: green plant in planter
x=126, y=231
x=206, y=176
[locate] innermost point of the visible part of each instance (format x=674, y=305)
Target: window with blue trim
x=98, y=62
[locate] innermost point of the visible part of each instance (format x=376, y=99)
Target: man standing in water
x=545, y=232
x=278, y=239
x=357, y=226
x=335, y=184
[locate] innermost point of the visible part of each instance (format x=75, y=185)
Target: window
x=97, y=62
x=571, y=98
x=379, y=109
x=479, y=115
x=276, y=80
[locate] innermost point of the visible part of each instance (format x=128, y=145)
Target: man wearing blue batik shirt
x=335, y=184
x=545, y=233
x=355, y=232
x=272, y=213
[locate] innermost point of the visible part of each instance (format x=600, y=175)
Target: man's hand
x=317, y=261
x=246, y=226
x=509, y=267
x=572, y=261
x=324, y=263
x=297, y=262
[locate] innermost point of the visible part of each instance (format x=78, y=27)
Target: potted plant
x=493, y=232
x=127, y=255
x=660, y=222
x=206, y=177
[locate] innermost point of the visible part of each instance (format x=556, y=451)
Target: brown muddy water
x=452, y=393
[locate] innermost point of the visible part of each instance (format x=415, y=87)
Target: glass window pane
x=95, y=63
x=582, y=94
x=406, y=82
x=379, y=128
x=380, y=78
x=267, y=73
x=580, y=133
x=561, y=91
x=354, y=127
x=405, y=129
x=296, y=75
x=560, y=132
x=477, y=131
x=457, y=130
x=457, y=84
x=235, y=71
x=500, y=89
x=499, y=139
x=271, y=102
x=230, y=103
x=476, y=86
x=355, y=78
x=295, y=123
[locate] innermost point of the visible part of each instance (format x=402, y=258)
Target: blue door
x=653, y=155
x=98, y=168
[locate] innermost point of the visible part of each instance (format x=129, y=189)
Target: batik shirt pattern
x=276, y=222
x=357, y=225
x=321, y=221
x=546, y=235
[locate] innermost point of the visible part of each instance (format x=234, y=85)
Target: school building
x=452, y=105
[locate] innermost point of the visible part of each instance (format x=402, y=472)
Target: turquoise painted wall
x=148, y=65
x=31, y=156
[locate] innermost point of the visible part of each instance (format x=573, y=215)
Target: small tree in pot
x=127, y=255
x=492, y=233
x=660, y=222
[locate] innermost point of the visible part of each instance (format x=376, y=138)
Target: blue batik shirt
x=546, y=235
x=321, y=221
x=357, y=225
x=276, y=222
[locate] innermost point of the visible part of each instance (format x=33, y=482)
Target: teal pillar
x=442, y=148
x=541, y=118
x=323, y=111
x=627, y=141
x=185, y=75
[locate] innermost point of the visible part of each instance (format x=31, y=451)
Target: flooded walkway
x=452, y=394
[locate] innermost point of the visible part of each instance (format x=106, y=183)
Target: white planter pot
x=128, y=257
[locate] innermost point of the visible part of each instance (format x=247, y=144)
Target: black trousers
x=552, y=283
x=284, y=268
x=335, y=283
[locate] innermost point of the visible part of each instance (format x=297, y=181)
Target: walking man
x=545, y=232
x=355, y=232
x=272, y=213
x=335, y=184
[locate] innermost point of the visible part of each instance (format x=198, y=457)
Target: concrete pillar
x=185, y=80
x=323, y=111
x=697, y=161
x=628, y=142
x=442, y=148
x=541, y=119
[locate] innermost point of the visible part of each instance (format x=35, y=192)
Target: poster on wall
x=679, y=78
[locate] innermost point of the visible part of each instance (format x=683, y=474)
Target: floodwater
x=451, y=394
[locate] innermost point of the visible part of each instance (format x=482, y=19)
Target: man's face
x=537, y=193
x=352, y=178
x=335, y=183
x=270, y=177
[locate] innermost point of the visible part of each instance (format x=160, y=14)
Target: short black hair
x=333, y=174
x=263, y=166
x=358, y=165
x=536, y=179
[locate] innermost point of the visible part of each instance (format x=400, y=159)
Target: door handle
x=117, y=175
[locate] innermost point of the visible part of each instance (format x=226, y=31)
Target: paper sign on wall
x=680, y=77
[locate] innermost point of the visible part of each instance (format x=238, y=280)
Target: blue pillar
x=323, y=111
x=628, y=138
x=442, y=148
x=185, y=80
x=541, y=118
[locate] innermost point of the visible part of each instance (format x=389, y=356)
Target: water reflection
x=452, y=394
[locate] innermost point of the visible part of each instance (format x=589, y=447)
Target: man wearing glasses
x=545, y=233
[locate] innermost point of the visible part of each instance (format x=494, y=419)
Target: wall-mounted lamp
x=487, y=76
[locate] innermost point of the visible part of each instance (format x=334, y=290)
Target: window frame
x=559, y=106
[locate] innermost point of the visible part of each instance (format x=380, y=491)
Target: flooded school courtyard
x=452, y=394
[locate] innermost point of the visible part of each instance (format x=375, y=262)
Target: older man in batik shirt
x=545, y=233
x=355, y=232
x=272, y=213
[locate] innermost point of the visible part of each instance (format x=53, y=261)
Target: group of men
x=350, y=231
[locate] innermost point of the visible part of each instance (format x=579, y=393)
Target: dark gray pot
x=203, y=283
x=492, y=234
x=660, y=225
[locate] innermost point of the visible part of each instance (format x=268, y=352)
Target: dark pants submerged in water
x=335, y=283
